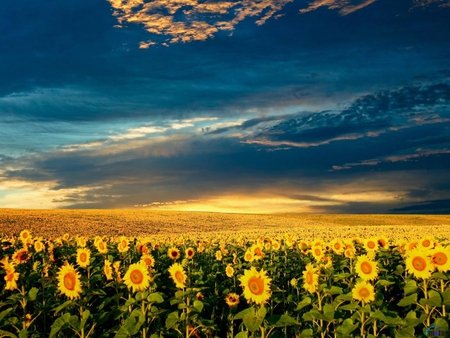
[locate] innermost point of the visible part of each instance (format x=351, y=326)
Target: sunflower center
x=174, y=253
x=179, y=277
x=83, y=257
x=426, y=243
x=136, y=276
x=256, y=285
x=124, y=243
x=366, y=268
x=101, y=245
x=309, y=278
x=24, y=235
x=371, y=245
x=69, y=281
x=317, y=252
x=10, y=276
x=22, y=256
x=440, y=258
x=337, y=246
x=363, y=292
x=419, y=263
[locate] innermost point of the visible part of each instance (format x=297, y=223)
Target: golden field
x=135, y=223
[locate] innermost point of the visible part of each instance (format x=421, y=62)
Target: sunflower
x=190, y=252
x=337, y=246
x=419, y=264
x=108, y=270
x=116, y=266
x=383, y=242
x=257, y=250
x=81, y=241
x=349, y=253
x=83, y=257
x=178, y=275
x=66, y=237
x=69, y=281
x=11, y=278
x=229, y=271
x=248, y=256
x=371, y=245
x=311, y=278
x=364, y=292
x=232, y=299
x=137, y=277
x=124, y=244
x=148, y=260
x=441, y=258
x=276, y=245
x=101, y=246
x=219, y=255
x=366, y=268
x=38, y=246
x=411, y=245
x=21, y=256
x=200, y=247
x=426, y=242
x=25, y=236
x=256, y=285
x=317, y=252
x=173, y=253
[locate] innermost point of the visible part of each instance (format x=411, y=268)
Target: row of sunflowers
x=223, y=286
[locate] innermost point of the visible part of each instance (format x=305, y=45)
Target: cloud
x=345, y=7
x=191, y=20
x=426, y=207
x=426, y=3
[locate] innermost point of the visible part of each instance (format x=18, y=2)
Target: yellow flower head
x=317, y=252
x=366, y=268
x=364, y=292
x=81, y=241
x=257, y=250
x=124, y=244
x=232, y=299
x=148, y=260
x=137, y=277
x=21, y=256
x=371, y=245
x=25, y=236
x=229, y=271
x=311, y=278
x=276, y=245
x=38, y=246
x=256, y=285
x=83, y=257
x=248, y=256
x=107, y=269
x=419, y=264
x=11, y=275
x=337, y=246
x=66, y=237
x=427, y=242
x=190, y=252
x=101, y=246
x=178, y=275
x=69, y=282
x=173, y=253
x=441, y=258
x=218, y=255
x=383, y=242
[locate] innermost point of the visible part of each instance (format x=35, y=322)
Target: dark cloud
x=426, y=207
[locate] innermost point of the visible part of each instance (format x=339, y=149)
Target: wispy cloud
x=345, y=7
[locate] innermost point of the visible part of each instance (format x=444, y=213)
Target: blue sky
x=325, y=106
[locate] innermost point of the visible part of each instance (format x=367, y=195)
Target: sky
x=246, y=106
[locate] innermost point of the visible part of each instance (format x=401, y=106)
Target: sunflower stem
x=362, y=320
x=442, y=290
x=425, y=294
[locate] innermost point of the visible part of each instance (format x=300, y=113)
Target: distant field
x=54, y=223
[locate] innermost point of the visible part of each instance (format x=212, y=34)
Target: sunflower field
x=223, y=286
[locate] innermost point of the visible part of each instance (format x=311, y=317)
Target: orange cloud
x=200, y=20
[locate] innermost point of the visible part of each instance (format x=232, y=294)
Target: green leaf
x=262, y=311
x=410, y=287
x=240, y=315
x=84, y=318
x=305, y=302
x=312, y=314
x=32, y=294
x=281, y=321
x=3, y=314
x=340, y=276
x=442, y=324
x=439, y=275
x=242, y=334
x=384, y=282
x=411, y=319
x=387, y=318
x=4, y=333
x=347, y=327
x=59, y=323
x=434, y=299
x=252, y=322
x=198, y=305
x=349, y=307
x=334, y=290
x=445, y=298
x=328, y=312
x=407, y=332
x=345, y=297
x=409, y=300
x=308, y=333
x=171, y=320
x=155, y=298
x=23, y=333
x=63, y=306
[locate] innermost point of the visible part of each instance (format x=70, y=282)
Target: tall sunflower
x=366, y=268
x=190, y=252
x=107, y=269
x=101, y=246
x=419, y=264
x=229, y=271
x=364, y=292
x=256, y=285
x=311, y=278
x=124, y=244
x=83, y=257
x=25, y=236
x=232, y=299
x=317, y=252
x=69, y=282
x=178, y=275
x=137, y=277
x=173, y=253
x=371, y=245
x=148, y=260
x=21, y=256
